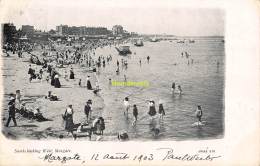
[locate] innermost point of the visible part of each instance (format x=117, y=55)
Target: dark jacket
x=30, y=71
x=11, y=108
x=87, y=109
x=135, y=112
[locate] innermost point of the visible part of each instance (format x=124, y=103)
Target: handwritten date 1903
x=140, y=158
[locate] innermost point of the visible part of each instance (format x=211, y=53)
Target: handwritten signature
x=186, y=157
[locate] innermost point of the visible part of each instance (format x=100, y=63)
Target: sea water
x=202, y=83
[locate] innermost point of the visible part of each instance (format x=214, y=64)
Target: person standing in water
x=152, y=110
x=140, y=62
x=135, y=114
x=127, y=106
x=173, y=87
x=199, y=113
x=161, y=110
x=180, y=90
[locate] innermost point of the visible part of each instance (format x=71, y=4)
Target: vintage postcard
x=125, y=82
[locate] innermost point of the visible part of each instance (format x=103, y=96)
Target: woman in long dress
x=89, y=86
x=72, y=74
x=56, y=81
x=68, y=116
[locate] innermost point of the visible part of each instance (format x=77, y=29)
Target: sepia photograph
x=73, y=72
x=129, y=82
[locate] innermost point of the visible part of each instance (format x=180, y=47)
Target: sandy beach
x=33, y=94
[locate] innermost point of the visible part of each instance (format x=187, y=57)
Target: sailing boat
x=139, y=43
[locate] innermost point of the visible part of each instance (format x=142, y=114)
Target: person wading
x=161, y=110
x=198, y=113
x=127, y=106
x=135, y=114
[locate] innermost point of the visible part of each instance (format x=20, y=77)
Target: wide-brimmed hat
x=89, y=101
x=12, y=98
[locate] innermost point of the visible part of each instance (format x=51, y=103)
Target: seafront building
x=9, y=32
x=63, y=32
x=117, y=30
x=27, y=29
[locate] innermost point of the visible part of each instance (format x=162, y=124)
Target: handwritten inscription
x=63, y=159
x=163, y=154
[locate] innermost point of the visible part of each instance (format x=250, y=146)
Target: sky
x=148, y=17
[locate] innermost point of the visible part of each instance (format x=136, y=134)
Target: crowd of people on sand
x=49, y=72
x=54, y=56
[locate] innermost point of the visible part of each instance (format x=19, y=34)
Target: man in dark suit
x=11, y=111
x=87, y=109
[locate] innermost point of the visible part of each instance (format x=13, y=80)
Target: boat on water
x=139, y=43
x=180, y=41
x=154, y=39
x=191, y=41
x=123, y=50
